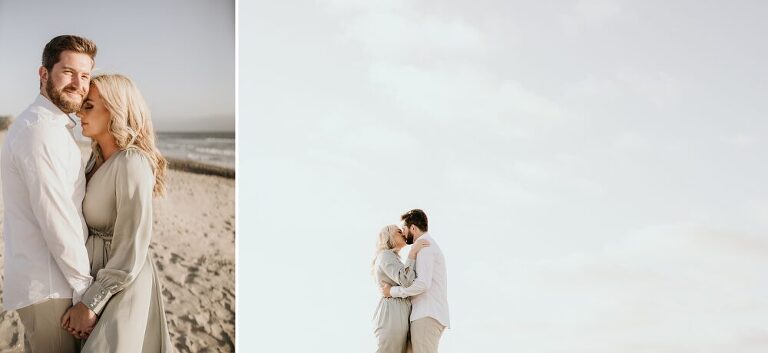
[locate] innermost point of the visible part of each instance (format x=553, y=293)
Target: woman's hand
x=79, y=321
x=65, y=319
x=65, y=324
x=417, y=246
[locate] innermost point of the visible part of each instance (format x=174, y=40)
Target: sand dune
x=194, y=251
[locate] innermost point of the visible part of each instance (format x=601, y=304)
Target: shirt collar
x=46, y=104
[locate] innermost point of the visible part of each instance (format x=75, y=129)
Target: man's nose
x=77, y=82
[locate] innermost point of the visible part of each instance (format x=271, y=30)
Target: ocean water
x=217, y=148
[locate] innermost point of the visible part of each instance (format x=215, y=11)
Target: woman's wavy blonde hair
x=130, y=123
x=386, y=241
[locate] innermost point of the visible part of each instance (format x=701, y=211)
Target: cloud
x=396, y=32
x=585, y=13
x=597, y=10
x=427, y=65
x=676, y=288
x=456, y=94
x=740, y=140
x=414, y=38
x=760, y=212
x=627, y=86
x=483, y=185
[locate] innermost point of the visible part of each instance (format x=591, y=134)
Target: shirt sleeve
x=425, y=263
x=47, y=172
x=396, y=271
x=132, y=233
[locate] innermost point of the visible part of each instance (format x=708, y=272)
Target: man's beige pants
x=425, y=335
x=42, y=327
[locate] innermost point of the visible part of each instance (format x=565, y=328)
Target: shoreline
x=184, y=165
x=174, y=163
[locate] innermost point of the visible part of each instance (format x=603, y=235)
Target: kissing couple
x=78, y=269
x=413, y=310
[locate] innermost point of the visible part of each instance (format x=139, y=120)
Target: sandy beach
x=194, y=249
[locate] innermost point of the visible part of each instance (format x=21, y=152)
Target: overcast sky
x=181, y=54
x=594, y=171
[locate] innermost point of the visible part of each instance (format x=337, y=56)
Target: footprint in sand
x=169, y=295
x=176, y=258
x=192, y=275
x=11, y=332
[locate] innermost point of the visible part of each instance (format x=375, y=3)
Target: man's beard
x=409, y=239
x=60, y=100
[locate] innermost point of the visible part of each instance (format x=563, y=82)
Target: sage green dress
x=392, y=316
x=126, y=292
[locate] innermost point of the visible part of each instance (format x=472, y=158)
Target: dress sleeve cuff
x=77, y=293
x=410, y=262
x=96, y=297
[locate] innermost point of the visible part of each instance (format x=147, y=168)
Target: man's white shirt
x=429, y=292
x=43, y=188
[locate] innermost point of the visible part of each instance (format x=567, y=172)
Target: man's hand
x=385, y=290
x=79, y=320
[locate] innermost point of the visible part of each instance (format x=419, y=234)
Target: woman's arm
x=401, y=274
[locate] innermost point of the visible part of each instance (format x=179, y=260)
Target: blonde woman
x=124, y=173
x=392, y=316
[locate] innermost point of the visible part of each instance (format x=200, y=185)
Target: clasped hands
x=79, y=320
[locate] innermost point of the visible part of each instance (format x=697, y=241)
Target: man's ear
x=43, y=73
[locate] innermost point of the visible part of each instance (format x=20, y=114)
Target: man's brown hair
x=415, y=217
x=62, y=43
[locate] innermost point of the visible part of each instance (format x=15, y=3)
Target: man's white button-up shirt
x=43, y=226
x=429, y=292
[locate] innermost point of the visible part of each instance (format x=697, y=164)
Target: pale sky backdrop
x=181, y=54
x=593, y=170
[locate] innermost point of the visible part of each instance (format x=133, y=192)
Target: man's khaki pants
x=425, y=335
x=42, y=327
